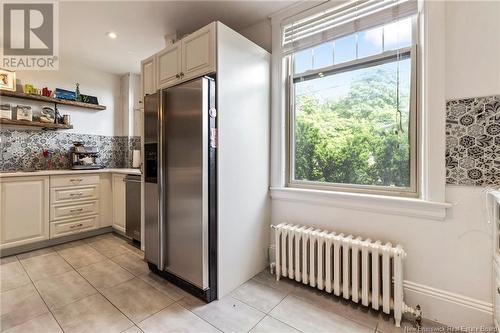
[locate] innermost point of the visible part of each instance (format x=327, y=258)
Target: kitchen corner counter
x=127, y=171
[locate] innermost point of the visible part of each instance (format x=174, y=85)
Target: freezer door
x=186, y=136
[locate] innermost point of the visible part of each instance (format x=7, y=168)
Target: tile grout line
x=39, y=295
x=151, y=315
x=265, y=313
x=290, y=293
x=333, y=296
x=76, y=270
x=134, y=277
x=334, y=312
x=98, y=291
x=281, y=321
x=287, y=293
x=203, y=319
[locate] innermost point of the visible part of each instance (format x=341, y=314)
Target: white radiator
x=358, y=269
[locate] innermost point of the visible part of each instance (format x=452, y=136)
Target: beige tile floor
x=102, y=284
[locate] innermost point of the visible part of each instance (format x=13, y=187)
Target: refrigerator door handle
x=161, y=186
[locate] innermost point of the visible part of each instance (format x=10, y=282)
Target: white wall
x=259, y=33
x=448, y=268
x=472, y=48
x=92, y=82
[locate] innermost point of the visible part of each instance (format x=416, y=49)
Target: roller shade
x=342, y=20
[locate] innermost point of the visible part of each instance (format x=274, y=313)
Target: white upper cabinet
x=169, y=65
x=198, y=52
x=24, y=210
x=148, y=76
x=186, y=59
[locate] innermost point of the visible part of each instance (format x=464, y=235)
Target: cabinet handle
x=76, y=225
x=76, y=194
x=76, y=179
x=498, y=290
x=76, y=210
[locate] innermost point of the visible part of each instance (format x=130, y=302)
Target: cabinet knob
x=182, y=74
x=498, y=290
x=177, y=76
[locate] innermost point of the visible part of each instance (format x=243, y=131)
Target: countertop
x=66, y=172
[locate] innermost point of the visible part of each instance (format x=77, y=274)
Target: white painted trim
x=458, y=299
x=432, y=99
x=365, y=202
x=431, y=104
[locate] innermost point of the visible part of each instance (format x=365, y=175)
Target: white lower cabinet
x=24, y=210
x=119, y=215
x=36, y=208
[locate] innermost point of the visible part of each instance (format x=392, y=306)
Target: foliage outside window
x=352, y=112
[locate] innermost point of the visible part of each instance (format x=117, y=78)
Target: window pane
x=397, y=35
x=323, y=55
x=370, y=42
x=303, y=61
x=345, y=49
x=348, y=129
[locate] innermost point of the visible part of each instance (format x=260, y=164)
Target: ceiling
x=141, y=27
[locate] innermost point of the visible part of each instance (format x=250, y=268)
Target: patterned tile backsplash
x=473, y=141
x=22, y=149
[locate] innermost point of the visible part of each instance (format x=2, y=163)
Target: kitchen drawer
x=73, y=226
x=75, y=193
x=64, y=211
x=74, y=180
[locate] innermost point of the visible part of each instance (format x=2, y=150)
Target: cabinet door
x=119, y=202
x=148, y=76
x=169, y=65
x=24, y=210
x=198, y=53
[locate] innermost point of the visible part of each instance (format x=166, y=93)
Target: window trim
x=414, y=190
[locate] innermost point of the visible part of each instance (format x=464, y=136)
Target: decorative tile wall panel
x=22, y=149
x=473, y=141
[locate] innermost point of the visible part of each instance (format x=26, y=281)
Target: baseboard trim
x=458, y=299
x=54, y=241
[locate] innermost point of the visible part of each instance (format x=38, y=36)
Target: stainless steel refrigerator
x=180, y=143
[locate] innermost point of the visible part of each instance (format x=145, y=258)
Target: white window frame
x=431, y=57
x=413, y=189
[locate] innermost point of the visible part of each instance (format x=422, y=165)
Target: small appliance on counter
x=84, y=158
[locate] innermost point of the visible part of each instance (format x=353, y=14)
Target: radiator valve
x=418, y=316
x=416, y=311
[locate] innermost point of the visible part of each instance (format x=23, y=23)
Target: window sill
x=365, y=202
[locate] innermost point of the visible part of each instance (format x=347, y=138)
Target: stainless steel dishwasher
x=133, y=206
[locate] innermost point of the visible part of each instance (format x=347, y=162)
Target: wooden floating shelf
x=50, y=100
x=34, y=124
